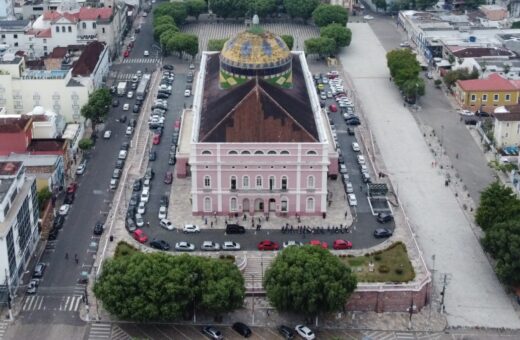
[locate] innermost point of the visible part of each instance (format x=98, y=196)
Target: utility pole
x=8, y=296
x=432, y=293
x=443, y=294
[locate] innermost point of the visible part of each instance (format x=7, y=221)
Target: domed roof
x=255, y=49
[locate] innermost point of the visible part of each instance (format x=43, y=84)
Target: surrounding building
x=259, y=141
x=506, y=130
x=19, y=214
x=482, y=94
x=48, y=170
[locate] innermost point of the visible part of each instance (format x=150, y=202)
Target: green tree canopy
x=85, y=144
x=289, y=40
x=325, y=15
x=380, y=4
x=43, y=196
x=97, y=106
x=503, y=243
x=498, y=204
x=160, y=287
x=308, y=280
x=195, y=8
x=176, y=10
x=300, y=8
x=424, y=4
x=160, y=29
x=404, y=61
x=229, y=8
x=163, y=20
x=342, y=36
x=451, y=77
x=262, y=7
x=323, y=46
x=216, y=44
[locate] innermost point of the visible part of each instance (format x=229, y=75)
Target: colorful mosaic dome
x=255, y=52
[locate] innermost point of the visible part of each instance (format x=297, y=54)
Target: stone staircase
x=254, y=271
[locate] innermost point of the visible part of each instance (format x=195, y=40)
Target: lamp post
x=253, y=298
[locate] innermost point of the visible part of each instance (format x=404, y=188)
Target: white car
x=292, y=243
x=192, y=66
x=146, y=53
x=342, y=169
x=126, y=107
x=129, y=130
x=130, y=94
x=184, y=246
x=113, y=183
x=145, y=14
x=352, y=201
x=122, y=154
x=190, y=228
x=107, y=134
x=132, y=39
x=166, y=224
x=229, y=245
x=139, y=221
x=361, y=159
x=355, y=147
x=81, y=168
x=64, y=209
x=466, y=113
x=145, y=196
x=363, y=168
x=146, y=184
x=210, y=246
x=187, y=93
x=404, y=44
x=141, y=208
x=349, y=187
x=163, y=212
x=367, y=17
x=305, y=332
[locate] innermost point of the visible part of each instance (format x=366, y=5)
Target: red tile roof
x=492, y=83
x=14, y=125
x=44, y=33
x=88, y=60
x=85, y=13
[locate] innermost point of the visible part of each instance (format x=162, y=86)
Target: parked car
x=53, y=234
x=145, y=196
x=210, y=246
x=242, y=329
x=318, y=243
x=139, y=220
x=129, y=130
x=212, y=332
x=184, y=246
x=342, y=244
x=141, y=208
x=291, y=243
x=382, y=233
x=160, y=244
x=305, y=332
x=107, y=134
x=163, y=212
x=268, y=245
x=156, y=139
x=152, y=155
x=352, y=200
x=190, y=228
x=166, y=224
x=98, y=228
x=140, y=236
x=355, y=147
x=115, y=103
x=235, y=229
x=126, y=106
x=81, y=168
x=349, y=188
x=333, y=108
x=39, y=270
x=168, y=67
x=32, y=287
x=384, y=217
x=64, y=209
x=168, y=177
x=286, y=332
x=229, y=245
x=137, y=185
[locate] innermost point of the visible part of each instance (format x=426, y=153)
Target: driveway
x=473, y=295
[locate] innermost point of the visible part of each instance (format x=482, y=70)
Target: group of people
x=76, y=258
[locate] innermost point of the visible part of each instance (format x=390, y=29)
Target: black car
x=136, y=108
x=139, y=102
x=353, y=122
x=350, y=131
x=133, y=123
x=133, y=86
x=152, y=155
x=69, y=198
x=133, y=201
x=164, y=200
x=98, y=228
x=168, y=67
x=242, y=329
x=116, y=174
x=120, y=163
x=138, y=184
x=122, y=119
x=115, y=103
x=160, y=244
x=161, y=95
x=53, y=234
x=384, y=217
x=58, y=222
x=39, y=270
x=382, y=233
x=125, y=146
x=113, y=89
x=235, y=229
x=212, y=333
x=286, y=332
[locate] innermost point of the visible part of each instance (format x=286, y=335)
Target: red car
x=177, y=125
x=342, y=244
x=156, y=139
x=72, y=187
x=268, y=245
x=324, y=245
x=333, y=108
x=140, y=236
x=126, y=54
x=168, y=178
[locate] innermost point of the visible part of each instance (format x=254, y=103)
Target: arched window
x=310, y=204
x=206, y=152
x=84, y=25
x=310, y=182
x=233, y=204
x=258, y=152
x=245, y=182
x=284, y=152
x=63, y=28
x=272, y=183
x=207, y=182
x=245, y=152
x=57, y=29
x=311, y=152
x=284, y=204
x=271, y=152
x=233, y=183
x=284, y=182
x=70, y=28
x=207, y=204
x=232, y=152
x=259, y=182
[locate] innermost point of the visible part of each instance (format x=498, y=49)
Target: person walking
x=66, y=256
x=76, y=258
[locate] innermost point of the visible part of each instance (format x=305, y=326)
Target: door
x=272, y=204
x=259, y=204
x=245, y=205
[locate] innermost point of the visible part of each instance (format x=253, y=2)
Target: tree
x=160, y=287
x=424, y=4
x=97, y=106
x=229, y=8
x=473, y=4
x=325, y=15
x=503, y=243
x=451, y=77
x=498, y=203
x=176, y=10
x=195, y=8
x=85, y=144
x=413, y=88
x=322, y=46
x=160, y=29
x=288, y=40
x=380, y=4
x=43, y=196
x=308, y=280
x=342, y=36
x=300, y=8
x=216, y=44
x=262, y=7
x=191, y=44
x=163, y=20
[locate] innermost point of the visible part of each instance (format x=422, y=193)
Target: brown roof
x=507, y=117
x=46, y=145
x=58, y=52
x=476, y=52
x=13, y=125
x=492, y=83
x=256, y=111
x=9, y=168
x=88, y=60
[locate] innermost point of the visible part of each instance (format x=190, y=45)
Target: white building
x=506, y=131
x=19, y=215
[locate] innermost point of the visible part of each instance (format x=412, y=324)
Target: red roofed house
x=475, y=94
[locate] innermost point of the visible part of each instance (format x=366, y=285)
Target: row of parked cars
x=287, y=332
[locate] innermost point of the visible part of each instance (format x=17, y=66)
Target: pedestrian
x=346, y=214
x=205, y=220
x=76, y=258
x=148, y=224
x=66, y=256
x=211, y=224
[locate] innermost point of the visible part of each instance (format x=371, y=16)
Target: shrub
x=124, y=249
x=399, y=271
x=377, y=257
x=383, y=269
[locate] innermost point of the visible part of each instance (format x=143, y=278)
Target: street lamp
x=253, y=298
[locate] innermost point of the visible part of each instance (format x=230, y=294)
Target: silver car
x=229, y=245
x=184, y=246
x=210, y=246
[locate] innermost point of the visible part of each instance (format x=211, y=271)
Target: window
x=63, y=28
x=15, y=44
x=57, y=29
x=206, y=152
x=259, y=182
x=94, y=25
x=233, y=183
x=84, y=25
x=271, y=152
x=70, y=28
x=44, y=41
x=284, y=152
x=15, y=36
x=284, y=183
x=473, y=97
x=245, y=152
x=3, y=36
x=245, y=182
x=103, y=30
x=232, y=152
x=258, y=152
x=284, y=205
x=45, y=48
x=310, y=204
x=207, y=204
x=310, y=182
x=207, y=182
x=484, y=97
x=233, y=204
x=495, y=97
x=508, y=97
x=272, y=184
x=311, y=152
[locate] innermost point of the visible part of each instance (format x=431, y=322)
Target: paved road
x=437, y=111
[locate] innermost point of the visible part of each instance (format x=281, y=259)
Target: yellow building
x=475, y=94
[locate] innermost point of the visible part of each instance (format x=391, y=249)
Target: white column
x=298, y=178
x=219, y=180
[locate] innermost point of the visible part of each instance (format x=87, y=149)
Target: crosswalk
x=63, y=303
x=3, y=328
x=388, y=335
x=102, y=331
x=141, y=61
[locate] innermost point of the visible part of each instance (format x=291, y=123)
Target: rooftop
x=46, y=145
x=45, y=74
x=9, y=169
x=256, y=111
x=31, y=160
x=492, y=83
x=88, y=60
x=14, y=124
x=477, y=51
x=84, y=14
x=507, y=117
x=6, y=25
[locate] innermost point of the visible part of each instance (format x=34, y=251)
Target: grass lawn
x=389, y=265
x=124, y=249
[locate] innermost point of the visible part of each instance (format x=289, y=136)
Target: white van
x=122, y=154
